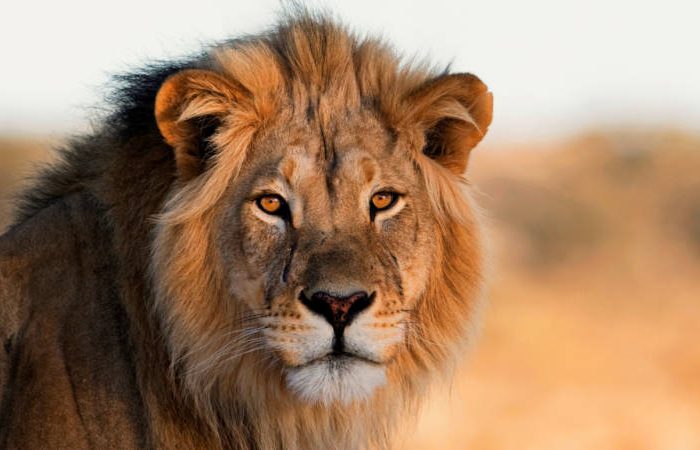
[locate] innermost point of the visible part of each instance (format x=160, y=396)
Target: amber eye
x=383, y=200
x=272, y=204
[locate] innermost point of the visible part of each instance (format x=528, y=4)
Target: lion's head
x=319, y=248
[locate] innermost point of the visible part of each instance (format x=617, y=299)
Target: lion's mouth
x=339, y=357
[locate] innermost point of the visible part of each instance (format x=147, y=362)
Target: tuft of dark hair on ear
x=203, y=148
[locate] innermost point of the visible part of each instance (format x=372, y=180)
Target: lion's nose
x=338, y=311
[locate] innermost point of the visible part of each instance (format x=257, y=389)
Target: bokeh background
x=590, y=178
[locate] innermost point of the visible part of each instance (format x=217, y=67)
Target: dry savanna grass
x=590, y=340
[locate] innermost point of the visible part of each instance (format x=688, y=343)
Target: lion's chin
x=336, y=379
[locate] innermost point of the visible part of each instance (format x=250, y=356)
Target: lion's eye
x=272, y=204
x=383, y=200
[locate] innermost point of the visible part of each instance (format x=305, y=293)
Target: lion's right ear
x=190, y=106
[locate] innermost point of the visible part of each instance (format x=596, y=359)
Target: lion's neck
x=255, y=410
x=265, y=423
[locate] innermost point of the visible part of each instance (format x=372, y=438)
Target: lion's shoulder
x=63, y=332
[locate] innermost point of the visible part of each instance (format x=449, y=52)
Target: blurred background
x=590, y=178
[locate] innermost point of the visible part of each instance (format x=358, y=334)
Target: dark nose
x=338, y=311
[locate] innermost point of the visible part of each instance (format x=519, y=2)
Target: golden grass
x=590, y=339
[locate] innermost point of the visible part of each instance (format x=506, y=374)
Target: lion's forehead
x=307, y=161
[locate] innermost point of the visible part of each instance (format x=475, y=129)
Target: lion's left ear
x=454, y=111
x=188, y=109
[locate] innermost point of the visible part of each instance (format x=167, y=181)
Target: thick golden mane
x=163, y=205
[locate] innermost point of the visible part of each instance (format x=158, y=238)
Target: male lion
x=267, y=246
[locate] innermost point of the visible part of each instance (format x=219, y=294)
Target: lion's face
x=317, y=238
x=327, y=240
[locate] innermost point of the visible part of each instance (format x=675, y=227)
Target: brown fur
x=126, y=282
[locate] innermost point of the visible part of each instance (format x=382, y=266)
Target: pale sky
x=555, y=67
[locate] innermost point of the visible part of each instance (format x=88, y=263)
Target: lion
x=268, y=245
